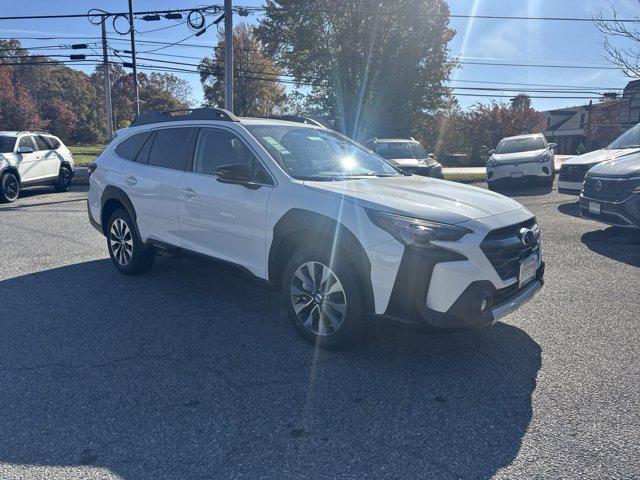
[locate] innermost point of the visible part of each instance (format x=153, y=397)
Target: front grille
x=573, y=173
x=505, y=250
x=605, y=190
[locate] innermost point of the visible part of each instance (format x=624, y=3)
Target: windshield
x=517, y=145
x=629, y=139
x=314, y=154
x=7, y=144
x=394, y=150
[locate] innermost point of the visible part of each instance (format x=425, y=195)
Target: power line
x=450, y=15
x=99, y=13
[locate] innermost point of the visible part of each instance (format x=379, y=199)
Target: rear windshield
x=629, y=139
x=7, y=144
x=516, y=145
x=396, y=150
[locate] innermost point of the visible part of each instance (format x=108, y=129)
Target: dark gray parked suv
x=611, y=192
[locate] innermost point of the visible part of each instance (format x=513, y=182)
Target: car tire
x=492, y=186
x=63, y=184
x=128, y=254
x=9, y=187
x=323, y=299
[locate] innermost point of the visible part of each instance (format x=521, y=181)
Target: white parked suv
x=522, y=157
x=341, y=233
x=33, y=158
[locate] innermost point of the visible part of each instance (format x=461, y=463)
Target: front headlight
x=491, y=163
x=543, y=159
x=414, y=232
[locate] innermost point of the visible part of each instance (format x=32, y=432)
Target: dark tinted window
x=143, y=155
x=130, y=147
x=170, y=148
x=54, y=142
x=216, y=148
x=41, y=143
x=7, y=144
x=524, y=144
x=26, y=142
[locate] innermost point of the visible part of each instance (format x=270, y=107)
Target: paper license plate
x=594, y=207
x=528, y=269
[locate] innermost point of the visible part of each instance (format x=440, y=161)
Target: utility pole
x=106, y=71
x=136, y=97
x=228, y=55
x=588, y=126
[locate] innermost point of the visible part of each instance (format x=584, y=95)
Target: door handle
x=188, y=192
x=130, y=180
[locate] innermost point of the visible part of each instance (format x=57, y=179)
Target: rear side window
x=7, y=144
x=170, y=148
x=130, y=147
x=41, y=143
x=54, y=142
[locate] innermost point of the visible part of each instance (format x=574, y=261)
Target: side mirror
x=431, y=156
x=236, y=173
x=553, y=145
x=491, y=152
x=24, y=150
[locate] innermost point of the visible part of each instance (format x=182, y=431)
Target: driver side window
x=217, y=148
x=26, y=142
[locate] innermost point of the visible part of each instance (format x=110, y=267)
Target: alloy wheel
x=318, y=298
x=11, y=188
x=121, y=242
x=65, y=178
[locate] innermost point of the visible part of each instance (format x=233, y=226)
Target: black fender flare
x=12, y=169
x=298, y=224
x=115, y=194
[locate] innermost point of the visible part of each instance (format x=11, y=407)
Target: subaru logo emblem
x=527, y=237
x=598, y=186
x=516, y=164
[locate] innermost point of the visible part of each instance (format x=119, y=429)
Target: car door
x=224, y=220
x=29, y=165
x=151, y=182
x=48, y=157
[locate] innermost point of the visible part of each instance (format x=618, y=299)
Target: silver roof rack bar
x=156, y=116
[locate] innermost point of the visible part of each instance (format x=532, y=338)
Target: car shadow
x=571, y=209
x=190, y=371
x=620, y=244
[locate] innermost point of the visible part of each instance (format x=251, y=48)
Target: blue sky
x=573, y=43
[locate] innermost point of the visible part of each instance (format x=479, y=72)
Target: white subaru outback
x=344, y=236
x=33, y=158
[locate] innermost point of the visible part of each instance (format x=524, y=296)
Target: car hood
x=598, y=156
x=420, y=197
x=411, y=162
x=519, y=156
x=626, y=166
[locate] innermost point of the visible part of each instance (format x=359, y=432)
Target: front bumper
x=620, y=214
x=569, y=188
x=520, y=171
x=423, y=275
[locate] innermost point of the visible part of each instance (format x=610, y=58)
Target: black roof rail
x=298, y=119
x=156, y=116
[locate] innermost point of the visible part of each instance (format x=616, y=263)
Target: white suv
x=341, y=233
x=527, y=157
x=33, y=158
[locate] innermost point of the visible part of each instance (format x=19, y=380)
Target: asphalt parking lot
x=191, y=372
